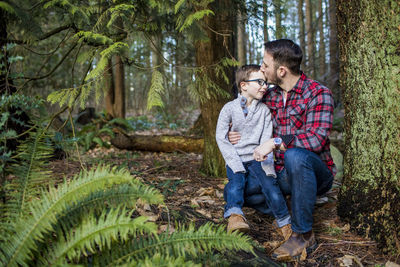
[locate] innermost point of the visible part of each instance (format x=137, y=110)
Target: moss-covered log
x=369, y=40
x=158, y=143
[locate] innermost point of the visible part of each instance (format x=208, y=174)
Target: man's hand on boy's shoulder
x=234, y=137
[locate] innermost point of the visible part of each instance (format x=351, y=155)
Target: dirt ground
x=192, y=196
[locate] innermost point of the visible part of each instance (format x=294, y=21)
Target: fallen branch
x=158, y=143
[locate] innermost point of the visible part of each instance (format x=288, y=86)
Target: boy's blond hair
x=243, y=74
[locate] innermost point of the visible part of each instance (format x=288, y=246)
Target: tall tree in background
x=265, y=20
x=333, y=80
x=278, y=10
x=369, y=74
x=302, y=33
x=209, y=53
x=241, y=36
x=321, y=51
x=310, y=40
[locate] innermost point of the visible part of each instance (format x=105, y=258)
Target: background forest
x=85, y=85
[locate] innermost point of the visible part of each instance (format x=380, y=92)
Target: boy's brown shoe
x=285, y=231
x=236, y=222
x=296, y=247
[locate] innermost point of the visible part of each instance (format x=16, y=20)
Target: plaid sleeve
x=318, y=124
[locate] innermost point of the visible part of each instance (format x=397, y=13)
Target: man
x=302, y=114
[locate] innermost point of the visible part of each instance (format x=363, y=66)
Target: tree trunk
x=241, y=37
x=109, y=85
x=208, y=53
x=158, y=143
x=279, y=30
x=310, y=40
x=265, y=20
x=321, y=51
x=302, y=34
x=119, y=96
x=333, y=82
x=369, y=40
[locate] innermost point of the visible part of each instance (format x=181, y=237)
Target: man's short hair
x=285, y=53
x=243, y=74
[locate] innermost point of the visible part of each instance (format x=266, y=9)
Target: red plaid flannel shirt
x=305, y=121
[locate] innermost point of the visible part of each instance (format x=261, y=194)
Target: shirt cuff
x=287, y=139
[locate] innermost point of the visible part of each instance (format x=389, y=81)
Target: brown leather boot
x=237, y=222
x=285, y=231
x=296, y=247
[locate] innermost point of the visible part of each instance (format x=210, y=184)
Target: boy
x=252, y=119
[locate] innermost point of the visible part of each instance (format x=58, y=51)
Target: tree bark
x=265, y=20
x=279, y=30
x=310, y=40
x=208, y=53
x=119, y=95
x=302, y=34
x=321, y=51
x=241, y=37
x=158, y=143
x=369, y=40
x=109, y=85
x=333, y=81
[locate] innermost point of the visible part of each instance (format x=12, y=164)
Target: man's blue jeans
x=304, y=177
x=241, y=188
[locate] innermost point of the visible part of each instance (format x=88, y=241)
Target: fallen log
x=158, y=143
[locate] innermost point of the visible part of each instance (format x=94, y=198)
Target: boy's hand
x=261, y=152
x=234, y=137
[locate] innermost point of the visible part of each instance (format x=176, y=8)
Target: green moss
x=370, y=56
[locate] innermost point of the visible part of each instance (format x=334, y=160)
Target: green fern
x=162, y=261
x=7, y=7
x=31, y=229
x=154, y=98
x=182, y=243
x=105, y=55
x=125, y=195
x=31, y=174
x=189, y=20
x=96, y=234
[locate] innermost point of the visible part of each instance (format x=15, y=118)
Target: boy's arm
x=228, y=151
x=267, y=131
x=268, y=163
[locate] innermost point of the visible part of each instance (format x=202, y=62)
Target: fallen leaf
x=204, y=212
x=163, y=228
x=391, y=264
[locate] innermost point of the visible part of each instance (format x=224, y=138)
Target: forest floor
x=192, y=196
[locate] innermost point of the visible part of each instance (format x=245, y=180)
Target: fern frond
x=105, y=55
x=189, y=20
x=71, y=8
x=31, y=174
x=94, y=234
x=7, y=7
x=183, y=242
x=31, y=229
x=126, y=195
x=178, y=5
x=119, y=10
x=162, y=261
x=94, y=38
x=156, y=90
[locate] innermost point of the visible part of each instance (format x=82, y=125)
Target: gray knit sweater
x=255, y=129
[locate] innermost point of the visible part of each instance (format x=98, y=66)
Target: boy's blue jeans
x=304, y=177
x=241, y=191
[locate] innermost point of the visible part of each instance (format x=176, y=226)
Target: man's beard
x=275, y=80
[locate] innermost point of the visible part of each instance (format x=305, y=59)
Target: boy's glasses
x=260, y=82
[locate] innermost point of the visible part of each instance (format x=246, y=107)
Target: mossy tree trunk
x=219, y=28
x=369, y=41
